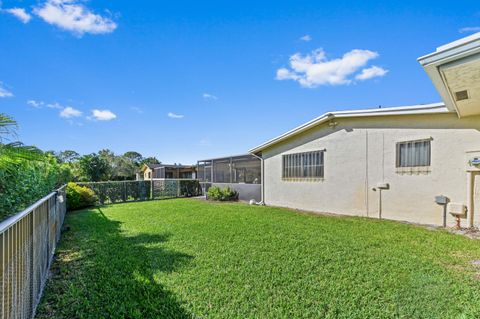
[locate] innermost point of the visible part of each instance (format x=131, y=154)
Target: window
x=303, y=165
x=414, y=153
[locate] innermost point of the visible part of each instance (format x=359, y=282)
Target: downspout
x=262, y=178
x=470, y=199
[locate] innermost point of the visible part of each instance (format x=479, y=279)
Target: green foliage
x=219, y=194
x=195, y=259
x=13, y=153
x=150, y=160
x=189, y=188
x=26, y=182
x=134, y=157
x=26, y=174
x=94, y=168
x=79, y=196
x=67, y=156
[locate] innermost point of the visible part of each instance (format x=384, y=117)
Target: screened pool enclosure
x=242, y=173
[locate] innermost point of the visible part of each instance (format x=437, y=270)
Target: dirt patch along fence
x=27, y=244
x=131, y=191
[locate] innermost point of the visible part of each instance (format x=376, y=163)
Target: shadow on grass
x=101, y=272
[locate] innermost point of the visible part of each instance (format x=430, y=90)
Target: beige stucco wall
x=360, y=153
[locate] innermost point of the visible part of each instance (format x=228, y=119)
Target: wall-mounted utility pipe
x=471, y=197
x=380, y=187
x=262, y=178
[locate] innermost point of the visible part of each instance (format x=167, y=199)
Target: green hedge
x=26, y=182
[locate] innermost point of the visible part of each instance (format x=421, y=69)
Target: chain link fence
x=131, y=191
x=28, y=242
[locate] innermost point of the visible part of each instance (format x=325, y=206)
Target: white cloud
x=174, y=116
x=103, y=115
x=469, y=30
x=54, y=106
x=19, y=13
x=208, y=96
x=70, y=112
x=315, y=69
x=306, y=38
x=36, y=104
x=4, y=92
x=372, y=72
x=72, y=16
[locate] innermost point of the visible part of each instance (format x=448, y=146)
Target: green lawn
x=192, y=259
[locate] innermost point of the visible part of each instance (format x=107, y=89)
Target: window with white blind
x=303, y=165
x=414, y=153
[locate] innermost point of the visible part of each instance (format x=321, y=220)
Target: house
x=166, y=171
x=241, y=173
x=393, y=163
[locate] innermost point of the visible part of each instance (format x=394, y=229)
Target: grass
x=192, y=259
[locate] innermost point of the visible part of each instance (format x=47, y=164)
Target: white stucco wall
x=360, y=153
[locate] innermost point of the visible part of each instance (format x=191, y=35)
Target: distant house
x=166, y=171
x=389, y=163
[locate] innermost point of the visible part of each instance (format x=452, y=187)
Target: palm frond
x=12, y=154
x=8, y=126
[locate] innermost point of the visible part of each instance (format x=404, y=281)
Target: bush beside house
x=224, y=195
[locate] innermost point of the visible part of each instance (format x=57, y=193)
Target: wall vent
x=461, y=95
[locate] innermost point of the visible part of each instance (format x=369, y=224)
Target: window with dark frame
x=303, y=165
x=414, y=153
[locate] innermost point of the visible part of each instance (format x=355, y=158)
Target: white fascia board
x=402, y=110
x=445, y=54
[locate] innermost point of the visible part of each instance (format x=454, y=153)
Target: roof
x=453, y=48
x=401, y=110
x=173, y=166
x=225, y=157
x=453, y=69
x=152, y=166
x=157, y=166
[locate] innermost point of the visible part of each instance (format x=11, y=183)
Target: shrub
x=25, y=182
x=223, y=195
x=79, y=196
x=189, y=188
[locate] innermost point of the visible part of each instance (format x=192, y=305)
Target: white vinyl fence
x=27, y=243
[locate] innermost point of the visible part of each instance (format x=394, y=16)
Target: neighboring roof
x=157, y=166
x=152, y=166
x=402, y=110
x=453, y=69
x=173, y=166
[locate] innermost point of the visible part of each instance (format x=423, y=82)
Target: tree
x=94, y=167
x=134, y=157
x=150, y=160
x=67, y=156
x=123, y=168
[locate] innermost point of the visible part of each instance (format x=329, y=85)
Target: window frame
x=304, y=165
x=414, y=159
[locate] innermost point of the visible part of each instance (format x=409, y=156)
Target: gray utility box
x=441, y=200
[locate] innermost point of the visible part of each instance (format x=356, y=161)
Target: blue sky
x=187, y=80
